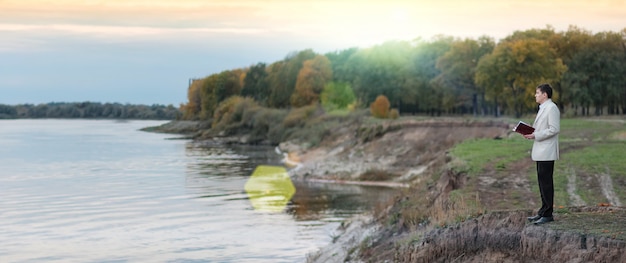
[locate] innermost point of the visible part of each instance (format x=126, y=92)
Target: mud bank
x=503, y=236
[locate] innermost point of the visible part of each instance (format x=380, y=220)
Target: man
x=545, y=150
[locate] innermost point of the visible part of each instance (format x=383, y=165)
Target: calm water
x=102, y=191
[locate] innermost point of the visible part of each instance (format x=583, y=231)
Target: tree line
x=444, y=75
x=94, y=110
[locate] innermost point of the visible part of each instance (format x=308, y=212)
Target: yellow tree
x=283, y=75
x=315, y=73
x=515, y=68
x=191, y=109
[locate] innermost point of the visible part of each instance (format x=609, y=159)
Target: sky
x=145, y=51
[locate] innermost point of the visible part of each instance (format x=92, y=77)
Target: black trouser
x=545, y=170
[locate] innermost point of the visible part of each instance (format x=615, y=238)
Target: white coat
x=547, y=127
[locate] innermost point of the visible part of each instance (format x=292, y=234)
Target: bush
x=223, y=114
x=297, y=117
x=394, y=114
x=380, y=107
x=231, y=112
x=267, y=124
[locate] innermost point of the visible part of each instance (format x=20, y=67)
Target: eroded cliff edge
x=502, y=236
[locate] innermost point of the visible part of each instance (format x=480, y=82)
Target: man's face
x=540, y=97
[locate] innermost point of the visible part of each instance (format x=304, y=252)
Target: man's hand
x=530, y=136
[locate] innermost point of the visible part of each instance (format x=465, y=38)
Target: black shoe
x=544, y=220
x=534, y=218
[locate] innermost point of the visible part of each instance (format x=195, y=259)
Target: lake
x=103, y=191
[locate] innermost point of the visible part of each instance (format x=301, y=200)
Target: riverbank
x=463, y=178
x=472, y=208
x=499, y=236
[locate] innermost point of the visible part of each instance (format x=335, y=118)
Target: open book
x=523, y=128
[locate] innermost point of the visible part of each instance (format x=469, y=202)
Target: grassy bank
x=590, y=172
x=492, y=176
x=497, y=174
x=589, y=149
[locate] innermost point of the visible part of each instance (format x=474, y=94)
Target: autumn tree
x=283, y=75
x=191, y=109
x=515, y=68
x=314, y=74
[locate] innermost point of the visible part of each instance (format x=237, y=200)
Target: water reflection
x=324, y=201
x=311, y=201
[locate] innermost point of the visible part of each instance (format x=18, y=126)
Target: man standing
x=545, y=150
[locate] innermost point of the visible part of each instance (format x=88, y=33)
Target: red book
x=523, y=128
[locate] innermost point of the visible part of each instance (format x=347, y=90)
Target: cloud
x=99, y=46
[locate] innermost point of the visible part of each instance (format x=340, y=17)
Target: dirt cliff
x=503, y=236
x=393, y=152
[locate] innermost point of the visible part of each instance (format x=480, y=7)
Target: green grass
x=477, y=154
x=601, y=158
x=606, y=222
x=588, y=129
x=588, y=147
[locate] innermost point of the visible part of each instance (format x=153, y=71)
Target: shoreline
x=414, y=153
x=292, y=161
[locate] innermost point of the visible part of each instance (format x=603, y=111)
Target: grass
x=477, y=154
x=588, y=129
x=588, y=148
x=602, y=222
x=601, y=158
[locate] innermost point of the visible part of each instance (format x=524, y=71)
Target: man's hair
x=546, y=88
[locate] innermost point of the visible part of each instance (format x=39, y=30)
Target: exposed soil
x=496, y=187
x=578, y=235
x=405, y=150
x=413, y=152
x=507, y=237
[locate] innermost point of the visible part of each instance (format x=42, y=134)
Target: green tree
x=420, y=90
x=458, y=69
x=596, y=74
x=337, y=95
x=255, y=83
x=381, y=69
x=208, y=96
x=343, y=69
x=569, y=45
x=229, y=83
